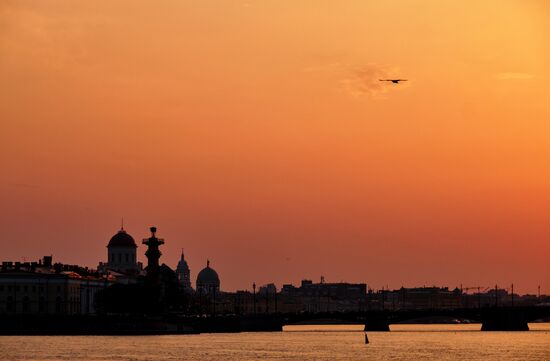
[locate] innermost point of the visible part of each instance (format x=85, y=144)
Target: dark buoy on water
x=366, y=339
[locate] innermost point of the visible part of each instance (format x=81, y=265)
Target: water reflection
x=305, y=342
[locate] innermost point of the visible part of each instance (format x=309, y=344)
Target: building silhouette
x=154, y=291
x=208, y=281
x=121, y=255
x=184, y=274
x=45, y=288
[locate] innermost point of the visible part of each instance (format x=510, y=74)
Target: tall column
x=153, y=255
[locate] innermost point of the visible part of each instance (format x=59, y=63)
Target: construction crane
x=479, y=290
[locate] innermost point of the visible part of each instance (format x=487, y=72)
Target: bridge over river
x=492, y=319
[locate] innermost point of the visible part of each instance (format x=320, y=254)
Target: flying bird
x=395, y=81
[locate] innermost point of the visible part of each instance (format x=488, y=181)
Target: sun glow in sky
x=257, y=134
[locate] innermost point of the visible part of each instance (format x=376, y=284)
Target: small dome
x=122, y=239
x=208, y=276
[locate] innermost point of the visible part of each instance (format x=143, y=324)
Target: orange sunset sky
x=257, y=134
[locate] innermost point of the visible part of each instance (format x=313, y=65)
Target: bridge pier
x=504, y=320
x=377, y=324
x=385, y=327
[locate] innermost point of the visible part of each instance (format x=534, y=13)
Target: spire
x=207, y=263
x=122, y=223
x=182, y=254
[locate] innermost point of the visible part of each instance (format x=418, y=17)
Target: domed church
x=208, y=281
x=121, y=253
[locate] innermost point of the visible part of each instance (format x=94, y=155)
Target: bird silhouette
x=395, y=81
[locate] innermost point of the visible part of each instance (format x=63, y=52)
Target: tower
x=153, y=255
x=183, y=273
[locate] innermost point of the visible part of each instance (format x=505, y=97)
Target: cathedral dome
x=122, y=239
x=208, y=277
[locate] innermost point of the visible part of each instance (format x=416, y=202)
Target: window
x=126, y=257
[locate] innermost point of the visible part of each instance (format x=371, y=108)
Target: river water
x=334, y=342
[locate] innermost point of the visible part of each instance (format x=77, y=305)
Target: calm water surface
x=334, y=342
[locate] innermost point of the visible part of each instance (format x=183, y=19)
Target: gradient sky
x=257, y=134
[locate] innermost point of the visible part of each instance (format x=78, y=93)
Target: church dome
x=208, y=277
x=122, y=239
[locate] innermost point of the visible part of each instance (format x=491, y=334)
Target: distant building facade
x=324, y=297
x=43, y=288
x=424, y=298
